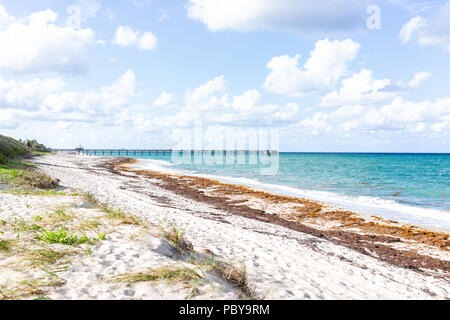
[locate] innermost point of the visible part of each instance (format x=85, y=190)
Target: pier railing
x=142, y=152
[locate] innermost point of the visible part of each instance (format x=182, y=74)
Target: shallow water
x=413, y=188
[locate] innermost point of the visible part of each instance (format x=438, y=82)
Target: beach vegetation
x=61, y=236
x=45, y=256
x=36, y=192
x=6, y=245
x=22, y=174
x=177, y=240
x=61, y=214
x=164, y=273
x=90, y=200
x=111, y=213
x=119, y=215
x=89, y=224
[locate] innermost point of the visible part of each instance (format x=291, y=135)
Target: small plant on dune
x=62, y=213
x=45, y=256
x=166, y=273
x=111, y=213
x=6, y=245
x=89, y=224
x=177, y=240
x=119, y=215
x=63, y=237
x=22, y=226
x=101, y=236
x=91, y=200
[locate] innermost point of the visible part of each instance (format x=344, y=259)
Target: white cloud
x=211, y=103
x=426, y=117
x=303, y=16
x=203, y=93
x=362, y=88
x=431, y=31
x=37, y=44
x=46, y=100
x=27, y=95
x=327, y=64
x=411, y=27
x=164, y=99
x=418, y=78
x=125, y=37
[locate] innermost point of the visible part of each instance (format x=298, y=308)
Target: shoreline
x=368, y=231
x=431, y=218
x=286, y=246
x=328, y=203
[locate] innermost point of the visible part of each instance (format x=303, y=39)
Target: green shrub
x=3, y=160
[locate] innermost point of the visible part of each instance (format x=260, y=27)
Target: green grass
x=20, y=173
x=41, y=153
x=63, y=237
x=6, y=245
x=37, y=192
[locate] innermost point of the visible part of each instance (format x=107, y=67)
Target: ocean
x=413, y=188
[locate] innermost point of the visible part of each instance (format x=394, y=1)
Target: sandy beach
x=287, y=248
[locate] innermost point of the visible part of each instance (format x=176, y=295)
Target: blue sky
x=137, y=73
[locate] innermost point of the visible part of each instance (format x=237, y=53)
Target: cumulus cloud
x=303, y=16
x=327, y=64
x=27, y=94
x=418, y=78
x=411, y=27
x=431, y=31
x=126, y=37
x=211, y=103
x=37, y=44
x=164, y=99
x=427, y=117
x=47, y=100
x=362, y=88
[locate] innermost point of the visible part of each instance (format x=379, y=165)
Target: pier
x=149, y=152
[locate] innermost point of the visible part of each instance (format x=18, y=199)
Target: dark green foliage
x=11, y=148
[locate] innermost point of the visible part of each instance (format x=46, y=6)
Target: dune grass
x=115, y=214
x=166, y=273
x=6, y=245
x=23, y=174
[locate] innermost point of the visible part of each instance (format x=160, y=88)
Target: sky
x=326, y=76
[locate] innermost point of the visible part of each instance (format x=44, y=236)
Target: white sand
x=281, y=263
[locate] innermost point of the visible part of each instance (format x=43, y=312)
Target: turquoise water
x=409, y=187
